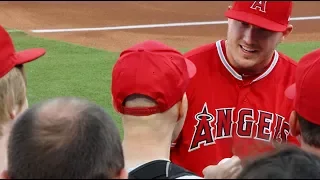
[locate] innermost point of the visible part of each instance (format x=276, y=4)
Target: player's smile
x=247, y=51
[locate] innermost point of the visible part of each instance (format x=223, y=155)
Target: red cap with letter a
x=306, y=90
x=270, y=15
x=152, y=69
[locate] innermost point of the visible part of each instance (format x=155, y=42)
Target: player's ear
x=183, y=107
x=294, y=124
x=287, y=31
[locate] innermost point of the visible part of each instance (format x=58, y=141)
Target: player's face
x=250, y=47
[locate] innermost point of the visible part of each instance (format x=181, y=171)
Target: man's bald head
x=58, y=120
x=65, y=138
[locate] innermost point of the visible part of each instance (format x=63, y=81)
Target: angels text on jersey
x=255, y=124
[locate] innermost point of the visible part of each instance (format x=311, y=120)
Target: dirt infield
x=50, y=15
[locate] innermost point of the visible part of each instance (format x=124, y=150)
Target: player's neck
x=145, y=148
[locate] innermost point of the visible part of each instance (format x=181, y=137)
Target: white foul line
x=152, y=26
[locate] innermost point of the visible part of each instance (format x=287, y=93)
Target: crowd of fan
x=70, y=137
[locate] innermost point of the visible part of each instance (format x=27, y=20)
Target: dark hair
x=287, y=162
x=310, y=132
x=66, y=138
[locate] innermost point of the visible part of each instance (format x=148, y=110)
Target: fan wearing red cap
x=13, y=98
x=149, y=81
x=305, y=93
x=236, y=101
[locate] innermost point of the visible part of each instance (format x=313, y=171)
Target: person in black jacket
x=149, y=81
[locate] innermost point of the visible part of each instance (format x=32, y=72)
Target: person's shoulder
x=287, y=61
x=201, y=51
x=285, y=70
x=186, y=175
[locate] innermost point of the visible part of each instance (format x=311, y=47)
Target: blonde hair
x=12, y=93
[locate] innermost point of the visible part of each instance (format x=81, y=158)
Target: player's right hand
x=230, y=169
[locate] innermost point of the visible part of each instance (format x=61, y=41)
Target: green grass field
x=72, y=70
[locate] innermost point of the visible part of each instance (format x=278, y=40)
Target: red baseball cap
x=152, y=69
x=9, y=58
x=306, y=91
x=271, y=15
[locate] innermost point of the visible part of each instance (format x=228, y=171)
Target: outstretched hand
x=229, y=169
